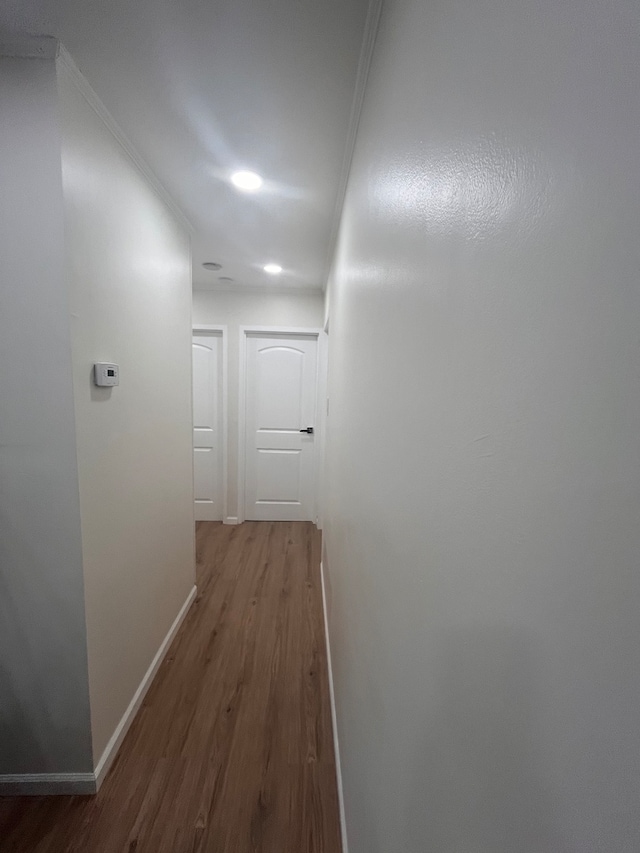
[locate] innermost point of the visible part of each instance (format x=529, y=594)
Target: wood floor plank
x=232, y=750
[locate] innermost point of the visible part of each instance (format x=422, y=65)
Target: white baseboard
x=111, y=750
x=334, y=721
x=46, y=784
x=231, y=519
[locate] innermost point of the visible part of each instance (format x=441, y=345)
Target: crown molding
x=68, y=66
x=29, y=47
x=268, y=290
x=371, y=27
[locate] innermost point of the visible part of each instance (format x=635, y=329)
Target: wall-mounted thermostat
x=106, y=374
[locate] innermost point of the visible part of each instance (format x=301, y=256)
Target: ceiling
x=203, y=88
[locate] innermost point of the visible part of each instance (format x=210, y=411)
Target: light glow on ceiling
x=249, y=182
x=273, y=269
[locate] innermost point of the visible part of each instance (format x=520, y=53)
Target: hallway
x=232, y=750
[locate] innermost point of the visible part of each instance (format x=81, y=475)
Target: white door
x=280, y=459
x=207, y=425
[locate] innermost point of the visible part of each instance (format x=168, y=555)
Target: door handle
x=308, y=430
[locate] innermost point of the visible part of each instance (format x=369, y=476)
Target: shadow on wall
x=13, y=716
x=98, y=394
x=477, y=783
x=23, y=733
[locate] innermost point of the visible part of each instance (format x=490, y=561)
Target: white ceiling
x=205, y=87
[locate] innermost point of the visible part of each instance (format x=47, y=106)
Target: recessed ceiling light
x=273, y=269
x=212, y=265
x=247, y=181
x=225, y=278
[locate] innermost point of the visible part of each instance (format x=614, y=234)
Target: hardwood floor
x=232, y=750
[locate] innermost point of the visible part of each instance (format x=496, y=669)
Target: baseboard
x=334, y=721
x=47, y=784
x=111, y=750
x=231, y=519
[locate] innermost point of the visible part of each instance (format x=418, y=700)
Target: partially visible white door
x=280, y=458
x=207, y=426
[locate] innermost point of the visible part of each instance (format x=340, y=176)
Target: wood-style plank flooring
x=232, y=750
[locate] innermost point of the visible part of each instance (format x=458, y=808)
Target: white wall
x=130, y=302
x=484, y=460
x=44, y=702
x=250, y=309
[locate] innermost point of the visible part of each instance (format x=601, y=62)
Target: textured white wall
x=44, y=702
x=484, y=462
x=130, y=302
x=250, y=309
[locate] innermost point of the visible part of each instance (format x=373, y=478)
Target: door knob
x=308, y=430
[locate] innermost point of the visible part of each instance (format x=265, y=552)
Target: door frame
x=205, y=329
x=321, y=384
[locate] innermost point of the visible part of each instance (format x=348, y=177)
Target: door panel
x=204, y=474
x=278, y=476
x=280, y=466
x=279, y=387
x=207, y=426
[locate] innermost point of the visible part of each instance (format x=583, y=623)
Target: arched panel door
x=280, y=459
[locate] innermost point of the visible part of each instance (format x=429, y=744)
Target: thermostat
x=106, y=374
